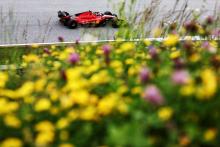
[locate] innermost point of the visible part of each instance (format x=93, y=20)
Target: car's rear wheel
x=107, y=13
x=65, y=23
x=72, y=24
x=102, y=24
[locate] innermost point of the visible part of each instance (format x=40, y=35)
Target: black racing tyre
x=115, y=15
x=65, y=23
x=107, y=13
x=72, y=24
x=102, y=24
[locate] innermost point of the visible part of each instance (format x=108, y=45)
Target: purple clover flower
x=153, y=51
x=106, y=49
x=47, y=51
x=206, y=45
x=209, y=20
x=180, y=77
x=216, y=32
x=153, y=95
x=74, y=58
x=144, y=75
x=60, y=39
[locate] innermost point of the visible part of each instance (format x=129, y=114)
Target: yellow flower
x=130, y=61
x=35, y=46
x=63, y=56
x=107, y=104
x=101, y=77
x=80, y=97
x=92, y=68
x=165, y=113
x=147, y=42
x=57, y=64
x=194, y=58
x=99, y=51
x=3, y=79
x=55, y=54
x=31, y=58
x=93, y=100
x=134, y=70
x=42, y=104
x=87, y=62
x=54, y=95
x=187, y=90
x=209, y=84
x=62, y=123
x=25, y=90
x=73, y=115
x=44, y=138
x=69, y=50
x=11, y=106
x=39, y=84
x=117, y=66
x=214, y=44
x=53, y=47
x=88, y=49
x=171, y=40
x=210, y=134
x=66, y=145
x=11, y=142
x=88, y=113
x=201, y=31
x=173, y=49
x=12, y=121
x=175, y=54
x=46, y=133
x=66, y=102
x=73, y=74
x=128, y=46
x=136, y=90
x=44, y=126
x=122, y=89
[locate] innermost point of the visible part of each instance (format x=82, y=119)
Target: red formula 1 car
x=89, y=18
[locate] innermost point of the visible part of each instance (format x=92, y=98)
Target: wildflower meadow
x=115, y=94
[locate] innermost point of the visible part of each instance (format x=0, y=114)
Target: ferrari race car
x=89, y=18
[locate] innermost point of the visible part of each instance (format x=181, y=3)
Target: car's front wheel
x=72, y=24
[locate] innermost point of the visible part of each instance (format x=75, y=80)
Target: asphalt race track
x=28, y=21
